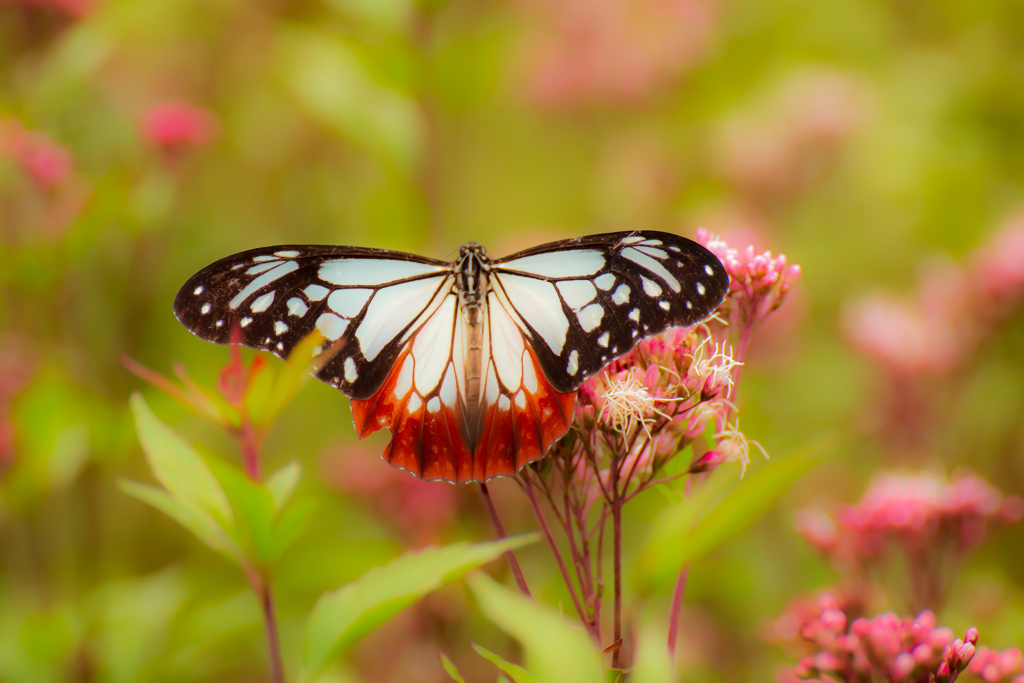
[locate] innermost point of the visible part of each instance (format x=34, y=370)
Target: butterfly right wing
x=367, y=303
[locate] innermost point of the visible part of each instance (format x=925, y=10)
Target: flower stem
x=273, y=640
x=500, y=530
x=617, y=569
x=528, y=487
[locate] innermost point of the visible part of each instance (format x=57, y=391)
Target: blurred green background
x=861, y=138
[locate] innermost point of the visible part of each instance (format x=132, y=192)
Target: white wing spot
x=632, y=240
x=434, y=404
x=700, y=288
x=280, y=346
x=262, y=281
x=574, y=362
x=651, y=251
x=280, y=328
x=529, y=374
x=664, y=305
x=264, y=257
x=652, y=288
x=604, y=339
x=262, y=303
x=577, y=293
x=621, y=294
x=689, y=305
x=414, y=403
x=315, y=292
x=404, y=382
x=351, y=374
x=634, y=315
x=605, y=281
x=590, y=317
x=246, y=321
x=198, y=290
x=709, y=270
x=219, y=323
x=645, y=261
x=636, y=333
x=654, y=243
x=297, y=306
x=263, y=267
x=331, y=326
x=287, y=253
x=206, y=308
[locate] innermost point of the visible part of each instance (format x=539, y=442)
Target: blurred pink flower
x=886, y=647
x=785, y=143
x=43, y=160
x=998, y=666
x=997, y=267
x=174, y=126
x=17, y=365
x=71, y=8
x=586, y=52
x=933, y=521
x=421, y=510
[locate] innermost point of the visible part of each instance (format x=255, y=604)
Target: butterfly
x=472, y=365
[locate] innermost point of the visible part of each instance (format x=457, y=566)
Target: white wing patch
x=369, y=272
x=560, y=264
x=577, y=293
x=537, y=302
x=380, y=324
x=433, y=345
x=275, y=273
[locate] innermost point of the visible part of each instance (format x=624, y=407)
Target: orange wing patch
x=426, y=434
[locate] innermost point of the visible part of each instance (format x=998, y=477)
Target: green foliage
x=244, y=520
x=342, y=617
x=696, y=526
x=555, y=650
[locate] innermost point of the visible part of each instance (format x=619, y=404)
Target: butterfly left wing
x=367, y=303
x=585, y=301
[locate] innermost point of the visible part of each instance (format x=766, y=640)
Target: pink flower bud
x=175, y=126
x=971, y=636
x=903, y=666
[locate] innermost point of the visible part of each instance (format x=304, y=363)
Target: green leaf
x=342, y=617
x=289, y=379
x=328, y=79
x=685, y=532
x=652, y=664
x=253, y=510
x=450, y=669
x=290, y=524
x=282, y=483
x=178, y=466
x=201, y=524
x=555, y=650
x=518, y=673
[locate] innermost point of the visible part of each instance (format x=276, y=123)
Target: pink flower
x=997, y=267
x=995, y=666
x=758, y=282
x=43, y=160
x=586, y=52
x=924, y=517
x=885, y=647
x=176, y=126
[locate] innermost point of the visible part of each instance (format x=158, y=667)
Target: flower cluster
x=48, y=164
x=613, y=51
x=884, y=648
x=758, y=285
x=954, y=309
x=177, y=126
x=780, y=146
x=998, y=666
x=933, y=521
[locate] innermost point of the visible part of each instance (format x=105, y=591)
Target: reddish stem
x=249, y=442
x=528, y=487
x=677, y=606
x=617, y=570
x=500, y=530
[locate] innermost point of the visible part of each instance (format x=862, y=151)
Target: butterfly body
x=472, y=365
